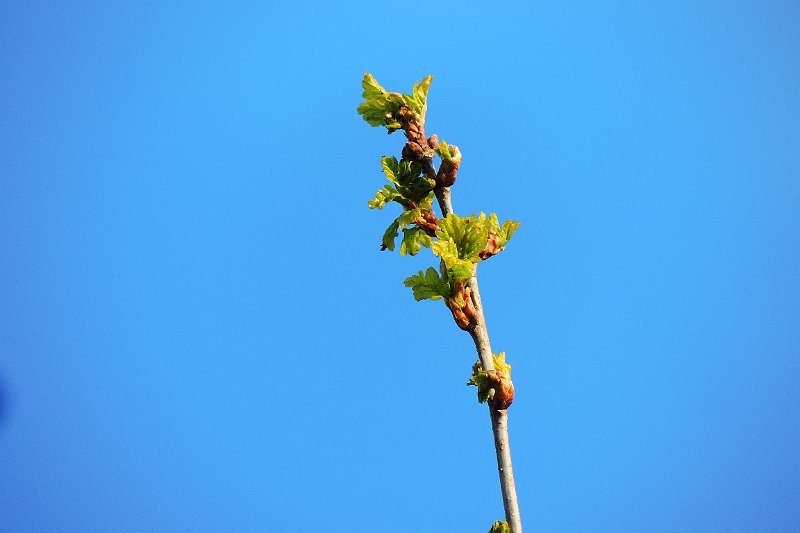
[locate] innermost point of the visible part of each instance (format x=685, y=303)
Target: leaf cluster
x=383, y=108
x=446, y=152
x=460, y=242
x=483, y=380
x=431, y=285
x=500, y=527
x=409, y=187
x=462, y=239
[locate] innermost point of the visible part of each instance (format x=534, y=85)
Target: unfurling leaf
x=412, y=188
x=387, y=242
x=469, y=240
x=414, y=192
x=428, y=285
x=500, y=527
x=383, y=197
x=413, y=241
x=379, y=107
x=498, y=381
x=451, y=160
x=383, y=108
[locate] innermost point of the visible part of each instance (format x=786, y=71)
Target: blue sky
x=199, y=333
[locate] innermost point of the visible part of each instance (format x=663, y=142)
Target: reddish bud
x=503, y=390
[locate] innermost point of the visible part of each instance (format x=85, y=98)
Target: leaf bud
x=503, y=390
x=428, y=222
x=492, y=246
x=449, y=168
x=412, y=151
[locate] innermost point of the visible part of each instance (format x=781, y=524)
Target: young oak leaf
x=500, y=527
x=383, y=197
x=503, y=232
x=382, y=108
x=412, y=190
x=451, y=161
x=408, y=186
x=405, y=219
x=387, y=241
x=499, y=381
x=461, y=239
x=446, y=151
x=379, y=107
x=428, y=285
x=469, y=240
x=413, y=241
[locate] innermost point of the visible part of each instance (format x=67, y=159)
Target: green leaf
x=475, y=236
x=389, y=236
x=444, y=151
x=480, y=378
x=391, y=168
x=508, y=229
x=460, y=272
x=428, y=285
x=407, y=218
x=461, y=239
x=500, y=364
x=500, y=527
x=420, y=93
x=381, y=108
x=446, y=249
x=412, y=186
x=413, y=241
x=383, y=197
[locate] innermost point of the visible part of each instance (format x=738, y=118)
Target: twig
x=499, y=417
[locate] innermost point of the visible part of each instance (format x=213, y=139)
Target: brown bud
x=461, y=319
x=446, y=175
x=469, y=307
x=428, y=222
x=466, y=316
x=503, y=390
x=433, y=141
x=492, y=247
x=449, y=168
x=412, y=151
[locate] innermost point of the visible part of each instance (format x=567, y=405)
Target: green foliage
x=445, y=151
x=462, y=239
x=461, y=242
x=382, y=108
x=432, y=285
x=481, y=379
x=428, y=285
x=413, y=241
x=503, y=232
x=500, y=527
x=418, y=99
x=379, y=107
x=409, y=187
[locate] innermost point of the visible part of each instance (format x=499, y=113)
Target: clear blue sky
x=199, y=333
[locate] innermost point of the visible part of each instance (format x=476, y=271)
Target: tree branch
x=499, y=417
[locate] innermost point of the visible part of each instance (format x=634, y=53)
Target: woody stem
x=480, y=336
